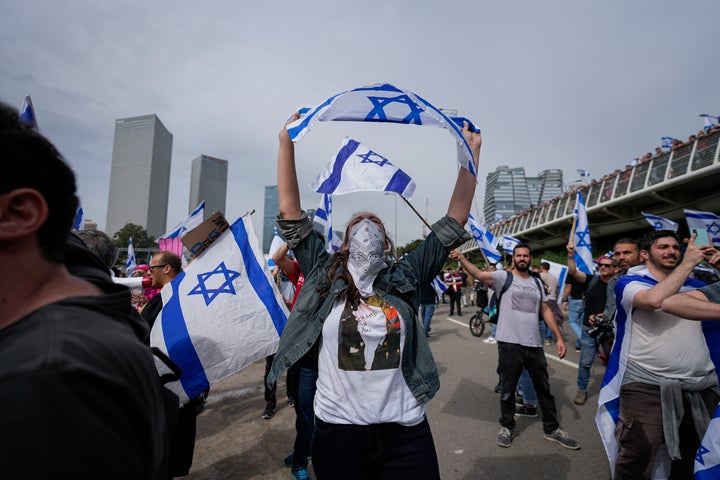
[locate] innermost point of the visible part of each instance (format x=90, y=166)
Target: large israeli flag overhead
x=220, y=314
x=485, y=240
x=384, y=103
x=356, y=168
x=581, y=239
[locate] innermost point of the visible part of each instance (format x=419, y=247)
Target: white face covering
x=366, y=252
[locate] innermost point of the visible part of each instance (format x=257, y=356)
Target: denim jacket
x=399, y=285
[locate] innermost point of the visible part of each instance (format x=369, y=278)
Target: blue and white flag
x=383, y=103
x=709, y=121
x=323, y=217
x=439, y=286
x=498, y=216
x=27, y=114
x=660, y=223
x=485, y=240
x=276, y=243
x=560, y=272
x=581, y=239
x=584, y=174
x=131, y=264
x=508, y=243
x=220, y=314
x=707, y=460
x=706, y=220
x=193, y=220
x=78, y=220
x=609, y=400
x=356, y=168
x=666, y=143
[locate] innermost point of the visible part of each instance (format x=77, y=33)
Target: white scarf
x=366, y=252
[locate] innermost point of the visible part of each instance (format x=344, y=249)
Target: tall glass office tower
x=140, y=175
x=270, y=211
x=208, y=181
x=508, y=191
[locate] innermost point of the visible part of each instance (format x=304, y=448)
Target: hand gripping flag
x=27, y=114
x=383, y=103
x=581, y=239
x=220, y=314
x=356, y=168
x=706, y=220
x=485, y=240
x=707, y=460
x=131, y=264
x=660, y=223
x=609, y=399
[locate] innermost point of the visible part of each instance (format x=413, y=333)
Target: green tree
x=139, y=235
x=408, y=247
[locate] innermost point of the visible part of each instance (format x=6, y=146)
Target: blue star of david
x=210, y=294
x=379, y=104
x=658, y=225
x=367, y=158
x=713, y=228
x=583, y=235
x=701, y=451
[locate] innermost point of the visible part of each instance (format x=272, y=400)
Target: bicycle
x=477, y=324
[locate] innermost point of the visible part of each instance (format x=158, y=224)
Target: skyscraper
x=140, y=175
x=506, y=193
x=208, y=181
x=270, y=211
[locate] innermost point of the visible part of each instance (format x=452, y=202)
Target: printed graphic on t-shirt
x=525, y=298
x=369, y=337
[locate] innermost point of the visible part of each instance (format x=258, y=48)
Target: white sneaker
x=490, y=340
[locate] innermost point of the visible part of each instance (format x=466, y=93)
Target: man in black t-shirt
x=595, y=287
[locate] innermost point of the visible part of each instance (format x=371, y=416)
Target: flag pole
x=416, y=212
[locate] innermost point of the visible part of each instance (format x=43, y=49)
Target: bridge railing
x=684, y=161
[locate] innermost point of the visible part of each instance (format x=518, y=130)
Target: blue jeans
x=545, y=331
x=304, y=417
x=426, y=312
x=575, y=314
x=587, y=356
x=526, y=389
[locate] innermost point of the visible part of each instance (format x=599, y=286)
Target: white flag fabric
x=660, y=223
x=220, y=314
x=323, y=217
x=193, y=220
x=439, y=286
x=484, y=239
x=583, y=250
x=356, y=168
x=706, y=220
x=508, y=243
x=666, y=143
x=707, y=460
x=27, y=114
x=584, y=174
x=130, y=264
x=276, y=243
x=560, y=272
x=384, y=103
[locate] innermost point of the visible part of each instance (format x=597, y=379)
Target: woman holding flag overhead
x=375, y=368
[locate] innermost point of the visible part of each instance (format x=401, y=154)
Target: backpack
x=494, y=304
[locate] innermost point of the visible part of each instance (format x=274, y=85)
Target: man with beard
x=626, y=254
x=666, y=381
x=519, y=342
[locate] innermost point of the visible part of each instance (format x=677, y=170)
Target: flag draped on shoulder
x=27, y=114
x=581, y=239
x=131, y=263
x=220, y=314
x=384, y=103
x=660, y=223
x=608, y=411
x=356, y=168
x=706, y=220
x=485, y=240
x=707, y=460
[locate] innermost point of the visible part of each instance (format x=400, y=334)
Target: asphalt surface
x=234, y=442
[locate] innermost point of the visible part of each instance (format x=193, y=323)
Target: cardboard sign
x=200, y=237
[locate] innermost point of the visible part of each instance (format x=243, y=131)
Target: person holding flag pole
x=375, y=368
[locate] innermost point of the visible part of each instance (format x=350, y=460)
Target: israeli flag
x=706, y=220
x=439, y=286
x=709, y=121
x=666, y=143
x=78, y=220
x=131, y=264
x=498, y=216
x=583, y=250
x=707, y=460
x=192, y=221
x=323, y=217
x=508, y=243
x=356, y=168
x=660, y=223
x=584, y=174
x=485, y=240
x=220, y=314
x=27, y=114
x=276, y=243
x=383, y=103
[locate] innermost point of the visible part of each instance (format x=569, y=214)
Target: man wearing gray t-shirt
x=519, y=342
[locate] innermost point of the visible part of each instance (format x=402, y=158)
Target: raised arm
x=462, y=196
x=472, y=270
x=283, y=261
x=691, y=305
x=288, y=191
x=572, y=267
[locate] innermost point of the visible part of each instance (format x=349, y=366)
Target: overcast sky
x=554, y=84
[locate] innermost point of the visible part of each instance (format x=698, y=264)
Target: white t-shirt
x=360, y=381
x=519, y=310
x=667, y=345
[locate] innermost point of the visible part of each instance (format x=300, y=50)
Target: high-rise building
x=508, y=191
x=270, y=211
x=208, y=181
x=140, y=175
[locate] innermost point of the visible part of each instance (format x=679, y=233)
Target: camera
x=602, y=325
